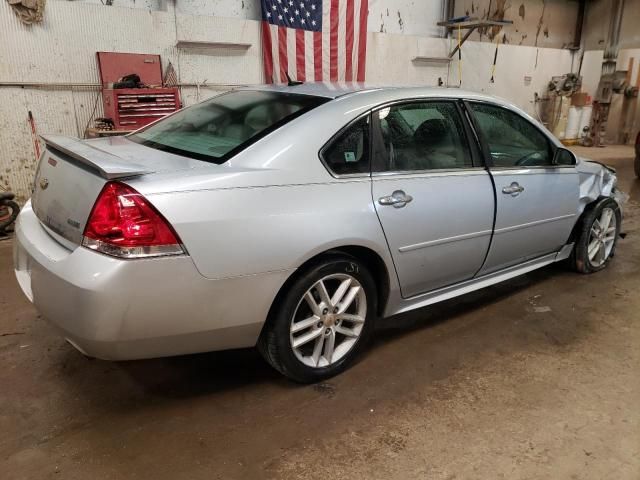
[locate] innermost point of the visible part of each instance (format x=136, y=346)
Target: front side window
x=513, y=141
x=421, y=136
x=348, y=153
x=222, y=126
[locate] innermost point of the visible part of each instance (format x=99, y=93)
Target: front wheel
x=599, y=232
x=323, y=319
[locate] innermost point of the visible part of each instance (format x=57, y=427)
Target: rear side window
x=220, y=127
x=348, y=153
x=421, y=136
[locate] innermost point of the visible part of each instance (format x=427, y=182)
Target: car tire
x=595, y=245
x=308, y=343
x=636, y=166
x=8, y=213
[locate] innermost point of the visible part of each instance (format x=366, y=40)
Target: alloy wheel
x=328, y=320
x=602, y=237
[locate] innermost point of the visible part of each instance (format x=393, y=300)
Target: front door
x=435, y=206
x=537, y=200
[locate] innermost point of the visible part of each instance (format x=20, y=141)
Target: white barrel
x=562, y=112
x=585, y=119
x=573, y=123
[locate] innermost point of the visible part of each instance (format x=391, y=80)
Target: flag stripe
x=333, y=35
x=275, y=53
x=354, y=52
x=342, y=35
x=326, y=42
x=308, y=56
x=348, y=69
x=362, y=41
x=268, y=58
x=301, y=74
x=282, y=53
x=317, y=55
x=292, y=67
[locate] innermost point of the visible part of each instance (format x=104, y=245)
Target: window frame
x=329, y=143
x=484, y=144
x=477, y=159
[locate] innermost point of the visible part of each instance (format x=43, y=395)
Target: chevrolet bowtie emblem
x=44, y=183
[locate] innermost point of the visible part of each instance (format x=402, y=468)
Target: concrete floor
x=485, y=386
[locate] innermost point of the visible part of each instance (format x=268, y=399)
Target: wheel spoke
x=593, y=249
x=347, y=332
x=348, y=299
x=315, y=308
x=602, y=254
x=322, y=291
x=317, y=350
x=339, y=293
x=605, y=219
x=329, y=343
x=304, y=324
x=306, y=338
x=596, y=226
x=347, y=317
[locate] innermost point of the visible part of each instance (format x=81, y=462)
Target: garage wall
x=541, y=23
x=596, y=25
x=62, y=50
x=411, y=17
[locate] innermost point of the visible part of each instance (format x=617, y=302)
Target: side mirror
x=564, y=157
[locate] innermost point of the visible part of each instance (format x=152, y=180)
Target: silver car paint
x=248, y=225
x=536, y=221
x=432, y=249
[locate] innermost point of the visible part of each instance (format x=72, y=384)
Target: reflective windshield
x=222, y=126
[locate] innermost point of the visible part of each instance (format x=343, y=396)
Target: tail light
x=124, y=224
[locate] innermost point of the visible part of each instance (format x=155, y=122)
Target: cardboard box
x=580, y=99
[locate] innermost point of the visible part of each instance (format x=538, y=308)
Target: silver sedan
x=292, y=218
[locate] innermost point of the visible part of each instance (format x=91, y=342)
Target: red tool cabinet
x=132, y=108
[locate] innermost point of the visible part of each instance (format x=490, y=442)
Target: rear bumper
x=128, y=309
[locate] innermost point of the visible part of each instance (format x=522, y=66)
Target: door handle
x=514, y=189
x=398, y=199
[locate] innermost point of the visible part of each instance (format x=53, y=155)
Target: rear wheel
x=8, y=213
x=598, y=237
x=322, y=321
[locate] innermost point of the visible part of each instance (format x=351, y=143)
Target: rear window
x=222, y=126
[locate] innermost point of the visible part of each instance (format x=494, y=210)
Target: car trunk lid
x=72, y=173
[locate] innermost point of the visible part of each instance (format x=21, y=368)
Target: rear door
x=434, y=200
x=536, y=200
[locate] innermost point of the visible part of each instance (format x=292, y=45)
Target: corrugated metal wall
x=62, y=50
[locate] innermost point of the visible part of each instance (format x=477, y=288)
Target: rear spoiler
x=107, y=165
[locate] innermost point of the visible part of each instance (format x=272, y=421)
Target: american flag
x=314, y=40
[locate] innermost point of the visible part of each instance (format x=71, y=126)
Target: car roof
x=340, y=89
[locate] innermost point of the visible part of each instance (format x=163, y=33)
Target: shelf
x=197, y=45
x=475, y=23
x=470, y=25
x=436, y=60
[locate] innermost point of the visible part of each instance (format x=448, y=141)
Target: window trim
x=477, y=161
x=335, y=137
x=484, y=145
